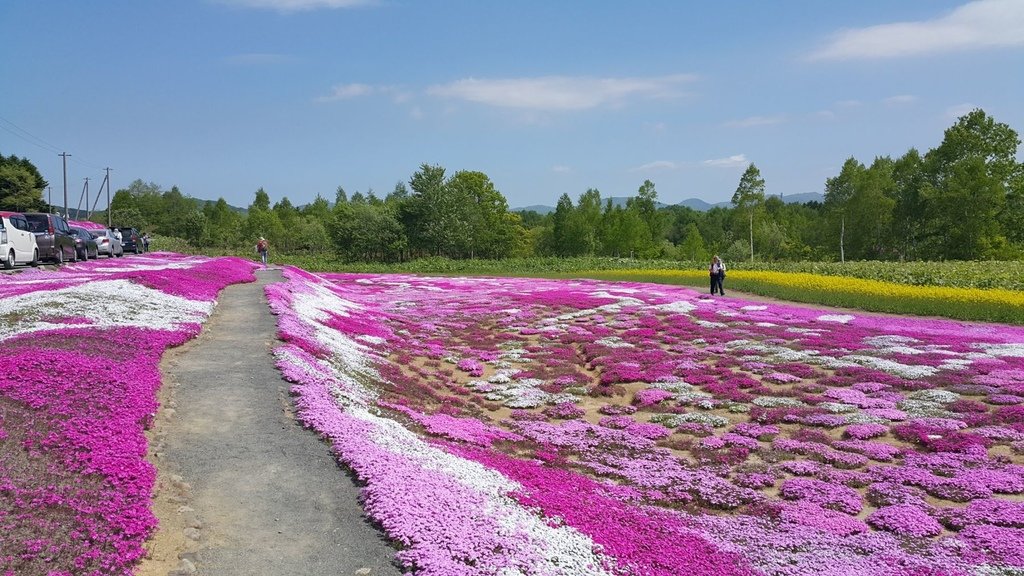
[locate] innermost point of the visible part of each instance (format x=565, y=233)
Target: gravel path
x=243, y=488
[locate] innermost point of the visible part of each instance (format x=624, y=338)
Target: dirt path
x=243, y=488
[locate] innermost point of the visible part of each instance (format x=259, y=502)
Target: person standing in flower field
x=717, y=272
x=261, y=248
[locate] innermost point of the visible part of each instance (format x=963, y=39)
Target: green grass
x=969, y=275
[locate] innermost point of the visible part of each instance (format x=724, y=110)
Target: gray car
x=107, y=243
x=53, y=236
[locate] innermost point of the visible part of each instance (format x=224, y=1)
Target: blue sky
x=221, y=97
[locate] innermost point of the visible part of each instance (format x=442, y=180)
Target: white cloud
x=901, y=99
x=656, y=127
x=756, y=121
x=737, y=161
x=959, y=110
x=297, y=5
x=656, y=165
x=560, y=92
x=347, y=91
x=975, y=25
x=561, y=169
x=257, y=59
x=825, y=114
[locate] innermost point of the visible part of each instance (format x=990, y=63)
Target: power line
x=31, y=138
x=27, y=136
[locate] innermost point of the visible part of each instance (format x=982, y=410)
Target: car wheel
x=35, y=258
x=96, y=254
x=9, y=261
x=59, y=258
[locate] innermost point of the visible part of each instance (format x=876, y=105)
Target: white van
x=17, y=242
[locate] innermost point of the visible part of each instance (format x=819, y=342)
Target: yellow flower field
x=997, y=305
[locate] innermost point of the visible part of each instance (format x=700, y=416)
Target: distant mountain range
x=694, y=203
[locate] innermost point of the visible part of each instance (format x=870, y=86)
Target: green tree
x=749, y=196
x=223, y=225
x=692, y=247
x=908, y=209
x=18, y=190
x=968, y=177
x=645, y=203
x=562, y=242
x=318, y=209
x=193, y=227
x=288, y=215
x=839, y=191
x=492, y=233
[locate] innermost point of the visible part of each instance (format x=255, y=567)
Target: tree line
x=962, y=200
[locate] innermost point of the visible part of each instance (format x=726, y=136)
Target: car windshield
x=37, y=223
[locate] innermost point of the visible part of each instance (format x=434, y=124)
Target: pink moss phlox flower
x=73, y=409
x=644, y=540
x=865, y=431
x=651, y=396
x=564, y=411
x=823, y=494
x=468, y=430
x=905, y=520
x=809, y=514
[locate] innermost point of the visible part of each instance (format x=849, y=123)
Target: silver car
x=107, y=243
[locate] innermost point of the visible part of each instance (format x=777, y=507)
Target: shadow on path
x=247, y=488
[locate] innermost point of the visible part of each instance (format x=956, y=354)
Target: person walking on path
x=262, y=248
x=717, y=272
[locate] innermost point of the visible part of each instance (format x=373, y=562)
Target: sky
x=222, y=97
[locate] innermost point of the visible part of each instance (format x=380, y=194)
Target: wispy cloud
x=737, y=161
x=256, y=59
x=297, y=5
x=347, y=91
x=900, y=100
x=657, y=165
x=756, y=121
x=561, y=169
x=559, y=93
x=959, y=110
x=973, y=26
x=358, y=90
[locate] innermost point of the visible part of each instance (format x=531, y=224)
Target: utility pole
x=99, y=193
x=49, y=197
x=108, y=199
x=85, y=194
x=64, y=156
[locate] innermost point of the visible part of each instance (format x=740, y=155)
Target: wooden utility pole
x=109, y=224
x=64, y=156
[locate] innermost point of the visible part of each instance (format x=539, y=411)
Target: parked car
x=107, y=243
x=17, y=242
x=85, y=245
x=131, y=240
x=53, y=235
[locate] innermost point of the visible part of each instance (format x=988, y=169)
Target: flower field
x=962, y=303
x=523, y=426
x=79, y=374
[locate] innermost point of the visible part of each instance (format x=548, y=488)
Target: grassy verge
x=979, y=291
